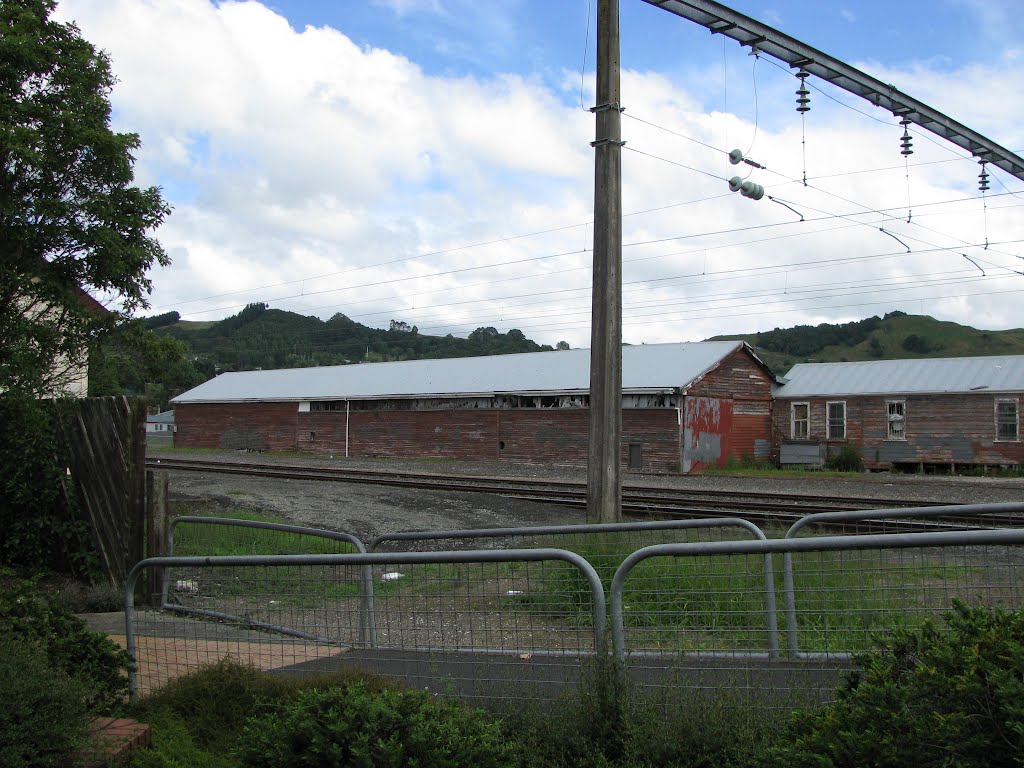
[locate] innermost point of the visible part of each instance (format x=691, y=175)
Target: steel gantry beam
x=764, y=39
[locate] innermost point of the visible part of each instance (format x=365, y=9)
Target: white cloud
x=319, y=174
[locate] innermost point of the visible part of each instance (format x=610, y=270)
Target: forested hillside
x=258, y=337
x=896, y=335
x=163, y=356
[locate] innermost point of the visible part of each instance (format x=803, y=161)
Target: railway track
x=636, y=501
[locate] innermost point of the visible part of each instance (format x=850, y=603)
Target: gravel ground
x=369, y=511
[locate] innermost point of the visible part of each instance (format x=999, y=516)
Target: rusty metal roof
x=645, y=368
x=905, y=377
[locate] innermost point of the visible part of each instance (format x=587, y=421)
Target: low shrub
x=43, y=719
x=83, y=597
x=353, y=726
x=610, y=723
x=846, y=460
x=39, y=618
x=928, y=698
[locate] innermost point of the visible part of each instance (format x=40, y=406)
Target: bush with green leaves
x=933, y=697
x=43, y=719
x=846, y=460
x=38, y=618
x=608, y=722
x=39, y=515
x=354, y=726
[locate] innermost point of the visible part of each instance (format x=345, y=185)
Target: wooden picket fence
x=106, y=442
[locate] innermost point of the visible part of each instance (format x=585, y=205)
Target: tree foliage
x=136, y=362
x=71, y=223
x=259, y=337
x=804, y=340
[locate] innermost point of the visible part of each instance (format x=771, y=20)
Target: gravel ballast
x=371, y=510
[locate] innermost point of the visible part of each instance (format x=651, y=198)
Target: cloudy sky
x=429, y=161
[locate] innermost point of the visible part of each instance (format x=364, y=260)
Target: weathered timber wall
x=239, y=426
x=940, y=429
x=519, y=435
x=737, y=376
x=106, y=441
x=727, y=414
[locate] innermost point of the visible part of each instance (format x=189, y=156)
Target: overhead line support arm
x=764, y=39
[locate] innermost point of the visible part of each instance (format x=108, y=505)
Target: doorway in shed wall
x=707, y=426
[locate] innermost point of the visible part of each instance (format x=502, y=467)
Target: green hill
x=896, y=335
x=259, y=337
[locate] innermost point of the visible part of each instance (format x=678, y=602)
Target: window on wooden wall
x=800, y=421
x=836, y=415
x=1007, y=420
x=896, y=411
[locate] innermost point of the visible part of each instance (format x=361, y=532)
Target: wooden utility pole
x=604, y=464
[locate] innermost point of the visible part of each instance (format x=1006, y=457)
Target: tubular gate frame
x=367, y=618
x=367, y=560
x=951, y=510
x=770, y=546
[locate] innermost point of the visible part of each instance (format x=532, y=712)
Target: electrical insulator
x=752, y=190
x=736, y=157
x=906, y=142
x=802, y=94
x=983, y=177
x=746, y=188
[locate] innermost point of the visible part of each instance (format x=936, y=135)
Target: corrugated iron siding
x=940, y=429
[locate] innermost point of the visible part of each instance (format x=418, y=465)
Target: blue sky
x=429, y=161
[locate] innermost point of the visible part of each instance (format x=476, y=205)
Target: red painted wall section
x=706, y=432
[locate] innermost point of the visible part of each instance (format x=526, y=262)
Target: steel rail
x=637, y=500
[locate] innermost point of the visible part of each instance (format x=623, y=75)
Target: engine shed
x=684, y=407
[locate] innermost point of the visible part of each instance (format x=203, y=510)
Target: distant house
x=160, y=423
x=903, y=414
x=684, y=406
x=65, y=378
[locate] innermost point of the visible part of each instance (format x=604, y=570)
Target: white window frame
x=806, y=421
x=1016, y=419
x=828, y=419
x=900, y=418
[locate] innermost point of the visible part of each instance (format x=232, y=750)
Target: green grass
x=683, y=604
x=718, y=602
x=289, y=586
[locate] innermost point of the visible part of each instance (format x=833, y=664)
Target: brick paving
x=112, y=741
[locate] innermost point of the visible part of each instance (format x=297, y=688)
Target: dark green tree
x=71, y=223
x=135, y=361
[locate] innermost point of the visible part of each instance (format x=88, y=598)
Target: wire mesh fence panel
x=690, y=616
x=604, y=546
x=844, y=600
x=488, y=624
x=223, y=536
x=910, y=520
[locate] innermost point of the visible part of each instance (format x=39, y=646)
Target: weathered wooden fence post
x=156, y=529
x=106, y=443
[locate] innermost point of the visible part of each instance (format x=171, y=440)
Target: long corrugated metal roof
x=651, y=367
x=920, y=376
